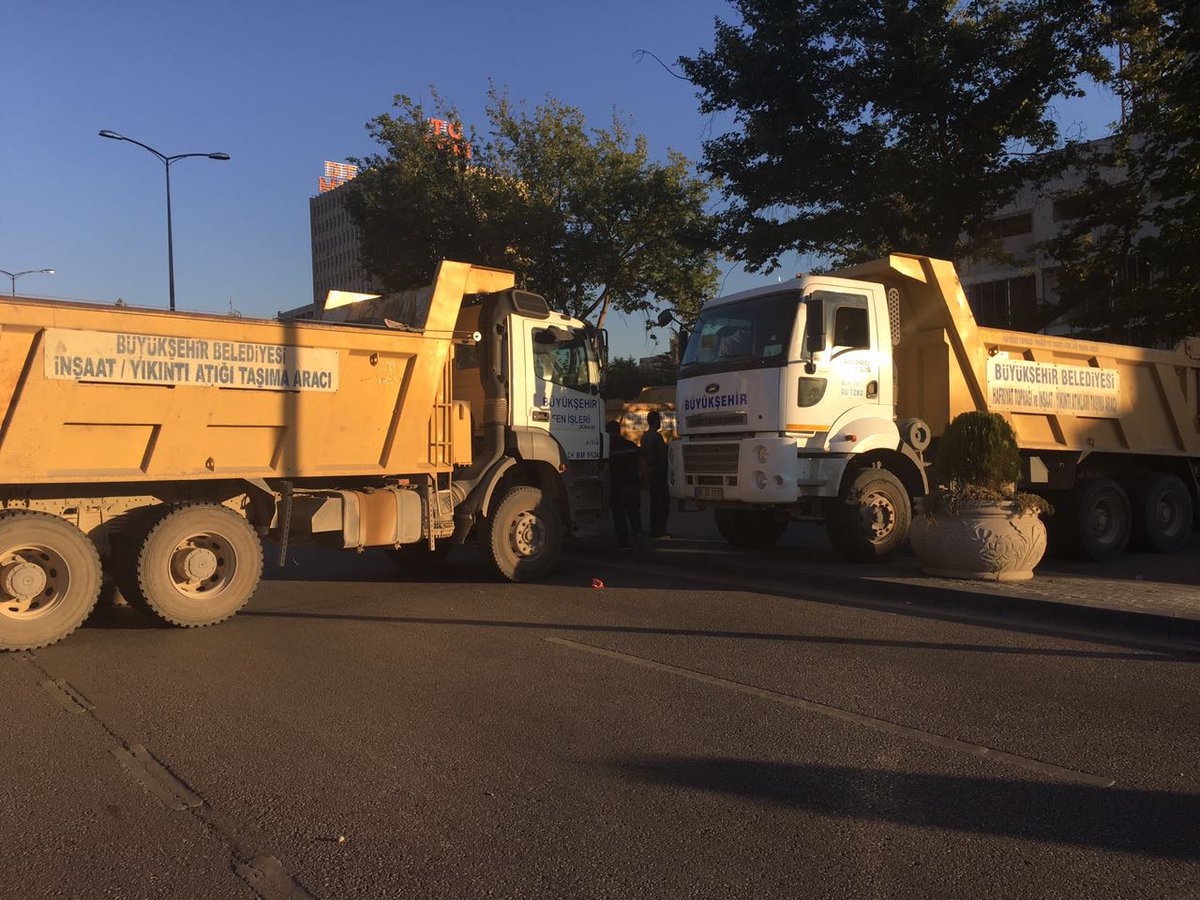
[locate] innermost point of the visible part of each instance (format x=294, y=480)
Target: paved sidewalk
x=1165, y=585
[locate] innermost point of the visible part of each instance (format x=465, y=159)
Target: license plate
x=710, y=493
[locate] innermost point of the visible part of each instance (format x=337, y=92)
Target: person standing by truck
x=624, y=484
x=654, y=452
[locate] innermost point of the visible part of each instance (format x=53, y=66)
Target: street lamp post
x=167, y=160
x=13, y=276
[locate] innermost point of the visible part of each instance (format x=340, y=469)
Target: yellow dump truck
x=824, y=399
x=158, y=448
x=632, y=414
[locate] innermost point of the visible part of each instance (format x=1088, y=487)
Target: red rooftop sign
x=445, y=128
x=336, y=174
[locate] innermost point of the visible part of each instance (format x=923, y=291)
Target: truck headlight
x=763, y=454
x=760, y=481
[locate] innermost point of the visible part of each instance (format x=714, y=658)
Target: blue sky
x=281, y=87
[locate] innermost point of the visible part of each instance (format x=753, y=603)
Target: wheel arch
x=538, y=473
x=907, y=467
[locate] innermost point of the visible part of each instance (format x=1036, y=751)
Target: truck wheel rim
x=1105, y=522
x=527, y=534
x=202, y=565
x=34, y=578
x=877, y=516
x=1168, y=514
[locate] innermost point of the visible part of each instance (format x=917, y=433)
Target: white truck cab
x=824, y=398
x=556, y=383
x=543, y=394
x=785, y=399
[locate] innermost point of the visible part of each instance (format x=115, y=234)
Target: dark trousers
x=660, y=506
x=627, y=514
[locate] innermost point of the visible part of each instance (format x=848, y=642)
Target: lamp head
x=112, y=134
x=218, y=156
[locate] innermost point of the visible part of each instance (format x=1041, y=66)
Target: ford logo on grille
x=712, y=388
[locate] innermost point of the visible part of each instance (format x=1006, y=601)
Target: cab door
x=560, y=389
x=841, y=357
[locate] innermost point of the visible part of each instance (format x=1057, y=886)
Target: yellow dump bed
x=104, y=394
x=1059, y=393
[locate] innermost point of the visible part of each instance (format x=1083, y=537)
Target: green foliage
x=979, y=448
x=421, y=203
x=865, y=128
x=622, y=379
x=1129, y=266
x=584, y=216
x=978, y=460
x=661, y=370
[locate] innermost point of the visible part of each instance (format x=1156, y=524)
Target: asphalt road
x=678, y=733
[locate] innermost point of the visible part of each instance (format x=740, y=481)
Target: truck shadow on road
x=1126, y=820
x=324, y=566
x=641, y=571
x=372, y=566
x=1151, y=568
x=881, y=588
x=642, y=630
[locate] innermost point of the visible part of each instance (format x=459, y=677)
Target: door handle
x=872, y=390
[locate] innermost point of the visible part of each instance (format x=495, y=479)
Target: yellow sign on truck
x=157, y=448
x=825, y=398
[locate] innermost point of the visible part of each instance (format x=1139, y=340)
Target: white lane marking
x=845, y=715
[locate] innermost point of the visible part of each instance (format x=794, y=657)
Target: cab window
x=561, y=361
x=850, y=328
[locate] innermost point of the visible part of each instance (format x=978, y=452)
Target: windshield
x=565, y=359
x=747, y=334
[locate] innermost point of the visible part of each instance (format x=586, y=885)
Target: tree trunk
x=604, y=299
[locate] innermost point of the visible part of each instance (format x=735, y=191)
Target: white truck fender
x=857, y=433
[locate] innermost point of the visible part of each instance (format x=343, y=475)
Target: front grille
x=710, y=458
x=712, y=420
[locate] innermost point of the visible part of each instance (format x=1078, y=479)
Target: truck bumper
x=758, y=470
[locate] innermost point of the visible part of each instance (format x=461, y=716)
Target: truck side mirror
x=664, y=318
x=814, y=333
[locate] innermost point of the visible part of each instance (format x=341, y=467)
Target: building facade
x=1023, y=294
x=335, y=255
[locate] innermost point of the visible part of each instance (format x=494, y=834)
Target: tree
x=870, y=127
x=662, y=369
x=1129, y=269
x=583, y=216
x=623, y=379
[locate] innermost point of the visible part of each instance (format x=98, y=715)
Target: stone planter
x=984, y=541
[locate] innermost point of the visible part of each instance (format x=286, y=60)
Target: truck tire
x=1098, y=519
x=869, y=520
x=729, y=525
x=1162, y=513
x=197, y=565
x=49, y=579
x=418, y=555
x=751, y=529
x=522, y=536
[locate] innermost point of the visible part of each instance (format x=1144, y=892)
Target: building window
x=1071, y=206
x=1008, y=226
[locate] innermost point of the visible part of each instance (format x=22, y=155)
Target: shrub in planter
x=975, y=523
